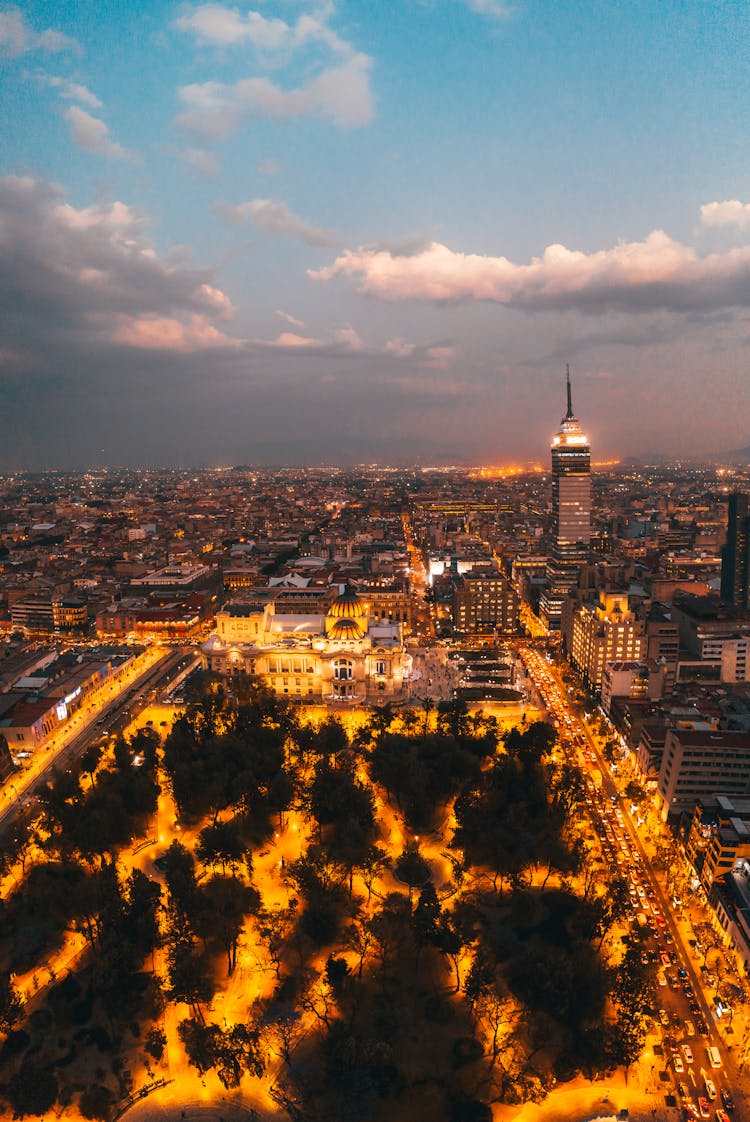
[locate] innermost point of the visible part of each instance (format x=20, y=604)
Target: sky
x=345, y=232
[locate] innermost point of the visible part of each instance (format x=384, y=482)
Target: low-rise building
x=634, y=678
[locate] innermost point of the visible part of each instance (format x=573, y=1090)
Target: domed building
x=342, y=656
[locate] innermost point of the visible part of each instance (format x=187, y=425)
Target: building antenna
x=569, y=415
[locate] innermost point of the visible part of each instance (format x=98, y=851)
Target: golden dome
x=347, y=606
x=345, y=628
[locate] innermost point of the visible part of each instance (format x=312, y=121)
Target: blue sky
x=322, y=232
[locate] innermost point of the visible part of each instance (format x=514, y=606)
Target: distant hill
x=738, y=455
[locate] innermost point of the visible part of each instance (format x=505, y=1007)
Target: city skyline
x=329, y=233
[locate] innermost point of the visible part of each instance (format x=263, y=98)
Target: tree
x=635, y=793
x=96, y=1102
x=226, y=902
x=231, y=1053
x=331, y=738
x=155, y=1042
x=90, y=760
x=426, y=918
x=32, y=1090
x=188, y=977
x=387, y=931
x=275, y=926
x=11, y=1005
x=412, y=868
x=220, y=843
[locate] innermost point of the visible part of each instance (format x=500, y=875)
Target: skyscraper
x=735, y=556
x=571, y=512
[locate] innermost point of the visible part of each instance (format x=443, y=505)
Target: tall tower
x=735, y=556
x=571, y=512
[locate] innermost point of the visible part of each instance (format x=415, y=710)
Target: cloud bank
x=85, y=277
x=656, y=273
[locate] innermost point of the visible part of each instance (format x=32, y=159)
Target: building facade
x=484, y=602
x=735, y=556
x=607, y=631
x=700, y=762
x=343, y=655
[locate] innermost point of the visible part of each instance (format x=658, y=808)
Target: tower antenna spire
x=569, y=414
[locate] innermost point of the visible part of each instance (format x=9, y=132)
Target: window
x=380, y=666
x=343, y=670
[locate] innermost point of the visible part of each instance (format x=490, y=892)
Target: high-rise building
x=571, y=513
x=735, y=556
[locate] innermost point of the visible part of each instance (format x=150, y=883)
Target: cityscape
x=374, y=561
x=310, y=775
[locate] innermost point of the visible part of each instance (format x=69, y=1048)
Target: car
x=688, y=1053
x=702, y=1027
x=690, y=1028
x=682, y=972
x=703, y=1107
x=662, y=980
x=664, y=1017
x=726, y=1099
x=721, y=1115
x=690, y=1109
x=710, y=1088
x=678, y=1064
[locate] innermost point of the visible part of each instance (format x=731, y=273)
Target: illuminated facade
x=344, y=655
x=606, y=632
x=571, y=514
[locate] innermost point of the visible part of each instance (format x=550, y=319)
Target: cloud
x=81, y=278
x=275, y=218
x=657, y=273
x=268, y=167
x=219, y=26
x=72, y=91
x=201, y=163
x=497, y=8
x=92, y=135
x=729, y=213
x=289, y=318
x=162, y=333
x=340, y=94
x=346, y=342
x=17, y=38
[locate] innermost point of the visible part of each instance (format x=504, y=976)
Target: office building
x=484, y=603
x=571, y=513
x=699, y=762
x=607, y=631
x=735, y=556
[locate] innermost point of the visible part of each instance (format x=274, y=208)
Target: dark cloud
x=87, y=275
